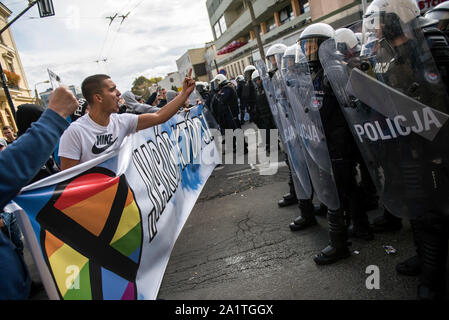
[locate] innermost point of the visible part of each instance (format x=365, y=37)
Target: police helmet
x=346, y=41
x=312, y=37
x=405, y=10
x=255, y=75
x=201, y=87
x=275, y=51
x=391, y=17
x=220, y=81
x=289, y=58
x=248, y=71
x=441, y=14
x=239, y=78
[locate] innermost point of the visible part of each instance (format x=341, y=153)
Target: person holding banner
x=45, y=133
x=102, y=129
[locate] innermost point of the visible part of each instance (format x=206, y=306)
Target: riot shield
x=277, y=101
x=307, y=120
x=392, y=96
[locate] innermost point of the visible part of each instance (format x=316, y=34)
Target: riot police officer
x=240, y=84
x=264, y=117
x=408, y=149
x=226, y=103
x=201, y=87
x=248, y=99
x=299, y=179
x=341, y=148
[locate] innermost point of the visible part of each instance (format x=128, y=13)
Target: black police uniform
x=248, y=99
x=431, y=230
x=264, y=117
x=343, y=155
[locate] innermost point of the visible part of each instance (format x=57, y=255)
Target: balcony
x=241, y=26
x=297, y=23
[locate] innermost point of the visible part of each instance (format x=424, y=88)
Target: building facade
x=45, y=95
x=195, y=59
x=14, y=72
x=277, y=21
x=171, y=80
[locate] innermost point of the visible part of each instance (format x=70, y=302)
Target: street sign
x=46, y=8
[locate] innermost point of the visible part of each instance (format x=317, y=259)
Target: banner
x=105, y=229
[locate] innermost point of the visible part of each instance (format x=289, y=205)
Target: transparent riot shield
x=392, y=96
x=277, y=101
x=195, y=98
x=307, y=120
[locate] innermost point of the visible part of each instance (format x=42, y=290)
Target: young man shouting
x=102, y=129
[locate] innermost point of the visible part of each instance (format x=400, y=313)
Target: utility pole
x=364, y=6
x=255, y=28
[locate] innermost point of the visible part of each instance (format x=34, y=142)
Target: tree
x=141, y=86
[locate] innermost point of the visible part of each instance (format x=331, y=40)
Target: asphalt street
x=237, y=244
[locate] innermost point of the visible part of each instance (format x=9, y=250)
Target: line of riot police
x=362, y=113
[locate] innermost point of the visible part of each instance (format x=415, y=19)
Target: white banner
x=105, y=229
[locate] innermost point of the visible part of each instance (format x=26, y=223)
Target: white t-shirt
x=85, y=139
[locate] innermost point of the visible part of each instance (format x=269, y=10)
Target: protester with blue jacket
x=19, y=163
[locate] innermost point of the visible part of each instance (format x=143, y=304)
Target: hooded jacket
x=133, y=106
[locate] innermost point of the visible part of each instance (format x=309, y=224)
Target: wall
x=319, y=8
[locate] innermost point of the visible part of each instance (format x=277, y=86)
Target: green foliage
x=142, y=84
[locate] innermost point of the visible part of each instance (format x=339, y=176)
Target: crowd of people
x=341, y=101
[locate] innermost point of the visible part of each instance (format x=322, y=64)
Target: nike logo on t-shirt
x=96, y=150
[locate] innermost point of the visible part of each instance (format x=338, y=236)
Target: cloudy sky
x=148, y=42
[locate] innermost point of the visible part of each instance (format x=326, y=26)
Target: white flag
x=54, y=79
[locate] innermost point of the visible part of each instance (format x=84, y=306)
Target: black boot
x=413, y=266
x=387, y=223
x=320, y=210
x=361, y=232
x=433, y=250
x=307, y=217
x=288, y=200
x=410, y=267
x=360, y=227
x=338, y=247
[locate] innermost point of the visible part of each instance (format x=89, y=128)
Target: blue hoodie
x=19, y=163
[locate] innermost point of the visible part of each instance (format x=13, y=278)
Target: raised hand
x=63, y=102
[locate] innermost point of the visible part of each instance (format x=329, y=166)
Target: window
x=286, y=14
x=220, y=27
x=171, y=80
x=222, y=24
x=305, y=6
x=200, y=69
x=271, y=24
x=217, y=30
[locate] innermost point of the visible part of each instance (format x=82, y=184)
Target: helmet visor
x=272, y=62
x=310, y=48
x=397, y=22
